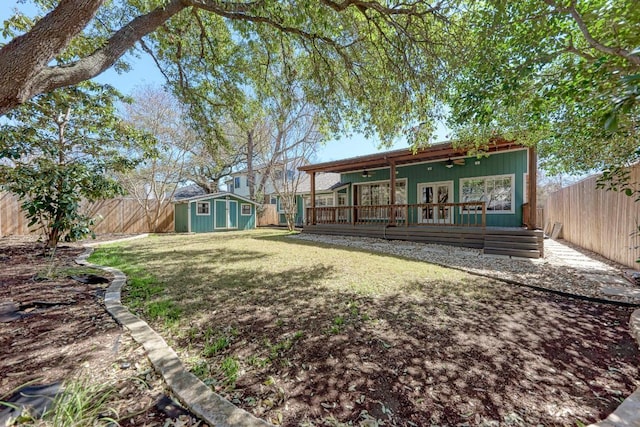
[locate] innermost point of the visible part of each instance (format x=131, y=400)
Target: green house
x=214, y=212
x=328, y=189
x=439, y=194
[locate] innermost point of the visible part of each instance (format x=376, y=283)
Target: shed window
x=202, y=208
x=245, y=209
x=496, y=191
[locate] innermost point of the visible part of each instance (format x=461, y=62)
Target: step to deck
x=521, y=253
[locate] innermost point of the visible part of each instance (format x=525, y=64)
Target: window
x=378, y=193
x=287, y=201
x=245, y=209
x=202, y=208
x=236, y=182
x=496, y=191
x=273, y=200
x=324, y=200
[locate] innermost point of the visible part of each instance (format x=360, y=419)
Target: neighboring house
x=188, y=191
x=239, y=180
x=214, y=212
x=440, y=195
x=327, y=193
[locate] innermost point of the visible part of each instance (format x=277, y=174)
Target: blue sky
x=144, y=72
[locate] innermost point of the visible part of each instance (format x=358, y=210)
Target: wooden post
x=392, y=192
x=533, y=185
x=313, y=197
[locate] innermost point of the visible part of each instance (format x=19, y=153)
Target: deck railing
x=469, y=214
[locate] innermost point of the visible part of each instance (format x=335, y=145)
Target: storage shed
x=214, y=212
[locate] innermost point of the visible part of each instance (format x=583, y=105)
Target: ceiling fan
x=449, y=163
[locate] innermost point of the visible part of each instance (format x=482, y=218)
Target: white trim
x=216, y=196
x=485, y=177
x=188, y=217
x=405, y=180
x=451, y=187
x=203, y=203
x=245, y=204
x=229, y=214
x=215, y=214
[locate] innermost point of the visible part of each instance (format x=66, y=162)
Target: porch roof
x=439, y=151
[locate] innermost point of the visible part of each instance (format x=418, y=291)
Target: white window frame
x=326, y=197
x=207, y=204
x=242, y=206
x=399, y=215
x=384, y=181
x=511, y=176
x=281, y=210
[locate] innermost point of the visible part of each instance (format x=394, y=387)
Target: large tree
x=156, y=113
x=378, y=65
x=560, y=74
x=61, y=149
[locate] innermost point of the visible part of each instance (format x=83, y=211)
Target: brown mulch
x=62, y=332
x=518, y=357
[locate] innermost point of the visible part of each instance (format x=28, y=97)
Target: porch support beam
x=392, y=191
x=533, y=185
x=313, y=197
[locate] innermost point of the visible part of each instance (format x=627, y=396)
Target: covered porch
x=438, y=194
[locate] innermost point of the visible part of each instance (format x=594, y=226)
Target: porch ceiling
x=401, y=157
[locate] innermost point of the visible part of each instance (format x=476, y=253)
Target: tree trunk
x=24, y=70
x=250, y=175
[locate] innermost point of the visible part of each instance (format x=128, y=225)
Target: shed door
x=232, y=214
x=226, y=214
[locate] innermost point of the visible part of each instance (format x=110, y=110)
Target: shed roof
x=439, y=151
x=215, y=196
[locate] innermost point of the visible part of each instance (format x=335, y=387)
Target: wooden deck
x=518, y=242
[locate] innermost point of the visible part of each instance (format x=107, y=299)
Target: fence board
x=269, y=216
x=122, y=215
x=605, y=222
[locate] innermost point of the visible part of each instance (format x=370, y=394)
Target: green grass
x=240, y=302
x=260, y=259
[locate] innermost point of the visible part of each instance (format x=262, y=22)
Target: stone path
x=609, y=279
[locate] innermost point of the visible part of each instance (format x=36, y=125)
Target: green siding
x=299, y=209
x=512, y=162
x=201, y=223
x=221, y=214
x=246, y=222
x=181, y=218
x=217, y=215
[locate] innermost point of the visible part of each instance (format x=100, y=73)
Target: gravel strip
x=563, y=268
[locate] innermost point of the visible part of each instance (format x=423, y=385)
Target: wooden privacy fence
x=268, y=216
x=122, y=215
x=605, y=222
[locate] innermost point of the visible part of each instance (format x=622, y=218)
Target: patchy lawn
x=307, y=334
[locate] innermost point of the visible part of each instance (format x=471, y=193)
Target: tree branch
x=582, y=26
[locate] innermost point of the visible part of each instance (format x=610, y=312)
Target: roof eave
x=399, y=157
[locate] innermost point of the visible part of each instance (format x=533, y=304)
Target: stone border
x=219, y=412
x=628, y=413
x=196, y=395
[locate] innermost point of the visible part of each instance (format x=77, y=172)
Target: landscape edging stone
x=193, y=393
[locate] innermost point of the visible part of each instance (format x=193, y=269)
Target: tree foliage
x=559, y=74
x=61, y=149
x=375, y=66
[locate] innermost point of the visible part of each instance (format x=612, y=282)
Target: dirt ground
x=540, y=359
x=61, y=331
